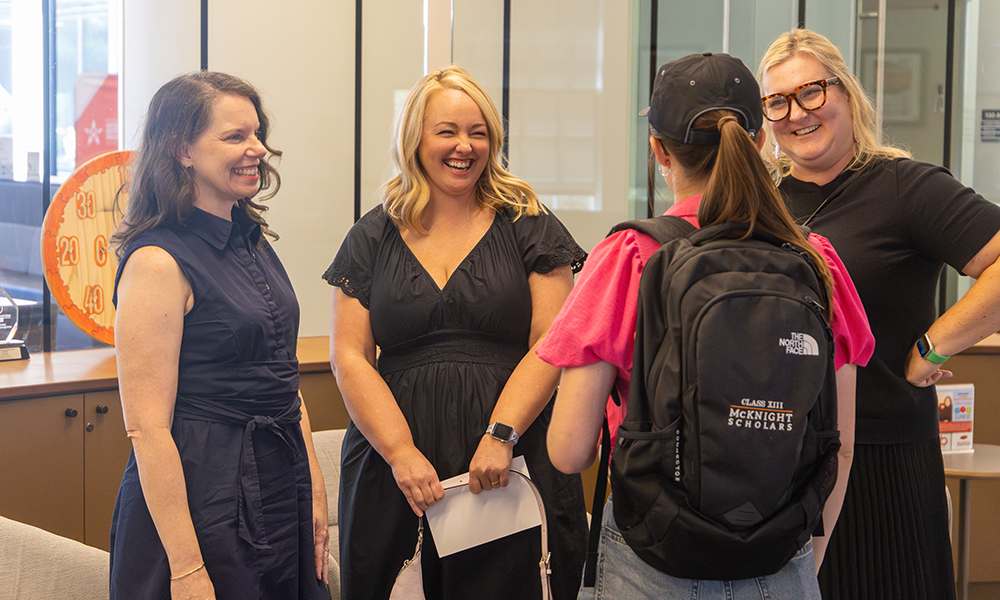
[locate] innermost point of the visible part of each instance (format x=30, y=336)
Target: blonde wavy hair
x=405, y=196
x=868, y=144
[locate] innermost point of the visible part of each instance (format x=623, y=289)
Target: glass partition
x=392, y=57
x=900, y=59
x=575, y=76
x=976, y=107
x=558, y=71
x=54, y=116
x=670, y=29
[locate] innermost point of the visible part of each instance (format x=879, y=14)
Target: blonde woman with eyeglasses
x=895, y=223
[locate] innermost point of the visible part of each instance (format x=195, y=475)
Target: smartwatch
x=926, y=350
x=503, y=432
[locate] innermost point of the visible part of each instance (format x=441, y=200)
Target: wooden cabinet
x=62, y=457
x=41, y=442
x=62, y=460
x=106, y=449
x=63, y=447
x=322, y=398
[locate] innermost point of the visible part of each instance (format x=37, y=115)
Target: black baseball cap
x=689, y=87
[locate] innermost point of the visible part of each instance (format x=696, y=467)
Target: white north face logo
x=800, y=343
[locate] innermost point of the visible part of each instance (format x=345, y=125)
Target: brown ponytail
x=739, y=187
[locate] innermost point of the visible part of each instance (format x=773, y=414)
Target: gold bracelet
x=191, y=572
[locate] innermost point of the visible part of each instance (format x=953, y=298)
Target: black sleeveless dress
x=236, y=426
x=446, y=355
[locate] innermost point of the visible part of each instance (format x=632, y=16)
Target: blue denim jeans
x=622, y=575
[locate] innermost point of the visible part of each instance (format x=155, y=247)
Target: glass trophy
x=10, y=348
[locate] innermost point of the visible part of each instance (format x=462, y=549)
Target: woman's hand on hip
x=922, y=372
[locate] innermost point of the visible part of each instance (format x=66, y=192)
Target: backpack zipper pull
x=821, y=312
x=816, y=306
x=793, y=248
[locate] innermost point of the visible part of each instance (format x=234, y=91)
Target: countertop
x=76, y=371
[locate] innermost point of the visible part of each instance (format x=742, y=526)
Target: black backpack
x=729, y=446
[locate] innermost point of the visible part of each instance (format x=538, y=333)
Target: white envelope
x=463, y=519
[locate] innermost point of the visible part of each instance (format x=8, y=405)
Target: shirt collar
x=686, y=207
x=217, y=231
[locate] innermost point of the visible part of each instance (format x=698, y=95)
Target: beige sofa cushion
x=327, y=444
x=36, y=564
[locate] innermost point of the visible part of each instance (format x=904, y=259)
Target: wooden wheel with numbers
x=77, y=260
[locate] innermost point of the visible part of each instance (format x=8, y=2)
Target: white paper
x=463, y=519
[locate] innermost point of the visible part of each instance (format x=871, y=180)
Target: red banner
x=95, y=97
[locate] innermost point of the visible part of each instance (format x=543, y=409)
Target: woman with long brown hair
x=222, y=496
x=704, y=123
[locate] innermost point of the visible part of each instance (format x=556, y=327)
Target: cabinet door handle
x=101, y=409
x=71, y=412
x=90, y=427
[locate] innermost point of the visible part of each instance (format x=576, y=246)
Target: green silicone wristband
x=936, y=358
x=928, y=352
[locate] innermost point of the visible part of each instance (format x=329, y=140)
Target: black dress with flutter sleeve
x=446, y=354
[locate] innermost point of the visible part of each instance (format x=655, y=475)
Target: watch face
x=922, y=346
x=502, y=431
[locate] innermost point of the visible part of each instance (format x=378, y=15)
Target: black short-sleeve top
x=376, y=267
x=895, y=225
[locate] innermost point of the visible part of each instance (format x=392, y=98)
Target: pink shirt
x=597, y=322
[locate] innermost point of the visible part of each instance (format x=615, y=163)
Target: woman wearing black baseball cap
x=705, y=121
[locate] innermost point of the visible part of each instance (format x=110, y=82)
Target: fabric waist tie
x=451, y=345
x=276, y=415
x=260, y=380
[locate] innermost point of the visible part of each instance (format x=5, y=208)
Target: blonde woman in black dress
x=455, y=278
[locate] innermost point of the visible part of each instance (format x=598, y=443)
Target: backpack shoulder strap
x=726, y=228
x=662, y=229
x=721, y=230
x=597, y=507
x=731, y=229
